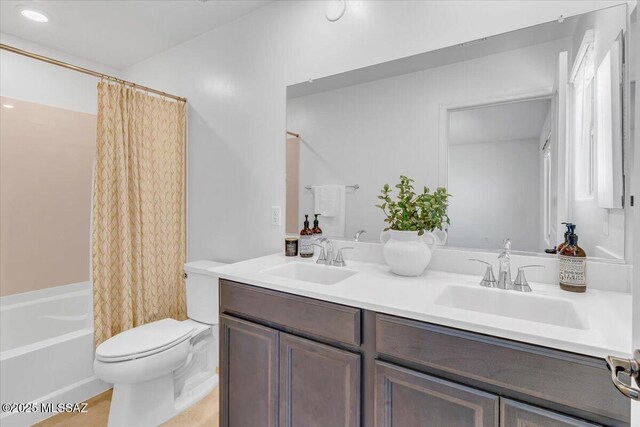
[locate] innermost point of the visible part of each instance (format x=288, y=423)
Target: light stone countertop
x=605, y=316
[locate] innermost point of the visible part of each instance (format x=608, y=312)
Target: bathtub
x=46, y=350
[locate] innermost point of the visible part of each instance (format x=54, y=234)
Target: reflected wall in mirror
x=524, y=129
x=496, y=162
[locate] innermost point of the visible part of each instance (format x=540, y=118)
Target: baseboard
x=75, y=393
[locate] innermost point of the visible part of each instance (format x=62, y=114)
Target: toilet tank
x=202, y=291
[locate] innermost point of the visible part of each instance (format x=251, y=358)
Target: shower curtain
x=138, y=247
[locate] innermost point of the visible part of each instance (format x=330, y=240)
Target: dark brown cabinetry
x=319, y=384
x=249, y=373
x=517, y=414
x=409, y=398
x=292, y=361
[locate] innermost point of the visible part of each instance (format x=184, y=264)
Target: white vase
x=408, y=254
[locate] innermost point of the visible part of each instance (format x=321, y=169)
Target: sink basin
x=314, y=273
x=515, y=305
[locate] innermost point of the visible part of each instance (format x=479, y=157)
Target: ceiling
x=119, y=33
x=502, y=122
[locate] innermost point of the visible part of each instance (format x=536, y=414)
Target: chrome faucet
x=359, y=233
x=504, y=275
x=521, y=283
x=339, y=261
x=326, y=256
x=504, y=262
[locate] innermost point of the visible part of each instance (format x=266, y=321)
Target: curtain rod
x=87, y=71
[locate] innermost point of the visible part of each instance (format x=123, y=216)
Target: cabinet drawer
x=565, y=379
x=408, y=398
x=516, y=414
x=298, y=314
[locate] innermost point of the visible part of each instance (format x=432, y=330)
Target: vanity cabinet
x=409, y=398
x=319, y=384
x=291, y=361
x=518, y=414
x=249, y=373
x=271, y=377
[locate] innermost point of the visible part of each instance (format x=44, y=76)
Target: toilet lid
x=144, y=340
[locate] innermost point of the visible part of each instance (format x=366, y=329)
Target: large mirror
x=524, y=129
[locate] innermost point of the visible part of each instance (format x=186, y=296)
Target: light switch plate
x=275, y=215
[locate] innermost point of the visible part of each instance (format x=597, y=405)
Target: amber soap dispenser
x=573, y=264
x=306, y=240
x=316, y=230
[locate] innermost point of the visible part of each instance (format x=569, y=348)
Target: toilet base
x=152, y=403
x=149, y=403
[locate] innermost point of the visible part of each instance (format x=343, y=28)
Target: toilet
x=161, y=368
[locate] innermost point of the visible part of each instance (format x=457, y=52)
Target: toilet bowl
x=161, y=368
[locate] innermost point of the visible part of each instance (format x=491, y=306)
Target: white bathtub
x=46, y=350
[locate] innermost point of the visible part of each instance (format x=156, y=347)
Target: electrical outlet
x=275, y=215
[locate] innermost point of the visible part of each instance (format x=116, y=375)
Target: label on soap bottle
x=573, y=270
x=306, y=245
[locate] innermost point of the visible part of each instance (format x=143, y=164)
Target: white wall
x=372, y=133
x=497, y=185
x=35, y=81
x=235, y=79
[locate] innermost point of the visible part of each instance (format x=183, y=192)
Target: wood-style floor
x=202, y=414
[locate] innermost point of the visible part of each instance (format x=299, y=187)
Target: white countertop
x=606, y=314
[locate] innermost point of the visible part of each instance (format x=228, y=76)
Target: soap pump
x=570, y=230
x=573, y=264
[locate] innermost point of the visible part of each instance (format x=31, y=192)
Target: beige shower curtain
x=138, y=210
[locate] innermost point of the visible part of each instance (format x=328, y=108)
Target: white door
x=635, y=189
x=632, y=366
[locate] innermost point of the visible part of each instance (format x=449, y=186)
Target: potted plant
x=415, y=224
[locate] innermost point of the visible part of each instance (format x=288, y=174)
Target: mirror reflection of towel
x=330, y=204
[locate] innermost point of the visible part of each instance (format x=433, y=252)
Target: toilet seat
x=143, y=341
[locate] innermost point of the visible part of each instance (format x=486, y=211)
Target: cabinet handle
x=630, y=367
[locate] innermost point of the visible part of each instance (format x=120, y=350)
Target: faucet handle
x=321, y=258
x=521, y=283
x=489, y=280
x=339, y=261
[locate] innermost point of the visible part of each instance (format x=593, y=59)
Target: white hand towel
x=330, y=204
x=329, y=199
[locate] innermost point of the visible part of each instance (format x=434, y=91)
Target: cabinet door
x=249, y=374
x=406, y=398
x=319, y=384
x=516, y=414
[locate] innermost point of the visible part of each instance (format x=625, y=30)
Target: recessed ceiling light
x=34, y=15
x=8, y=106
